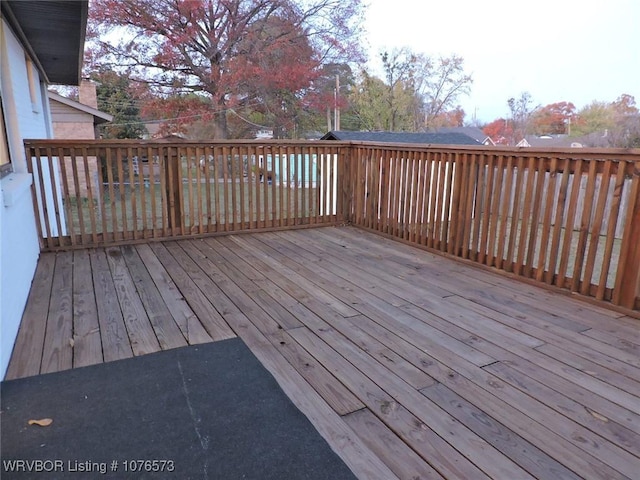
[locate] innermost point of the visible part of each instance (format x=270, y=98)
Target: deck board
x=115, y=341
x=26, y=359
x=57, y=353
x=409, y=364
x=165, y=328
x=87, y=345
x=141, y=334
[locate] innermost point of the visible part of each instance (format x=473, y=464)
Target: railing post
x=627, y=287
x=345, y=183
x=174, y=190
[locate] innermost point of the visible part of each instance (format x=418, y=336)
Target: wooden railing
x=567, y=218
x=93, y=193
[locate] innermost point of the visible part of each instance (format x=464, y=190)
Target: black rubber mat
x=210, y=411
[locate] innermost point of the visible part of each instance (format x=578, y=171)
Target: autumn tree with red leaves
x=215, y=56
x=450, y=118
x=500, y=131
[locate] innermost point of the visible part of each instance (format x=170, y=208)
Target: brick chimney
x=87, y=93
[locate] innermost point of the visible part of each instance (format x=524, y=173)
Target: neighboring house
x=153, y=133
x=41, y=43
x=473, y=132
x=77, y=120
x=550, y=141
x=402, y=137
x=153, y=130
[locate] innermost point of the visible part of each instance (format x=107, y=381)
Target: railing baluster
x=494, y=213
x=272, y=187
x=584, y=227
x=514, y=220
x=547, y=205
x=34, y=156
x=188, y=166
x=525, y=219
x=163, y=167
x=569, y=224
x=532, y=246
x=101, y=155
x=558, y=221
x=501, y=260
x=146, y=185
x=89, y=185
x=133, y=163
x=66, y=196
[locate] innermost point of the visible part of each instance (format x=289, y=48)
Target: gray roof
x=555, y=141
x=474, y=132
x=402, y=137
x=53, y=33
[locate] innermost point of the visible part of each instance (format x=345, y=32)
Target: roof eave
x=64, y=72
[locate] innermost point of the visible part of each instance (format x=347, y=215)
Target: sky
x=557, y=50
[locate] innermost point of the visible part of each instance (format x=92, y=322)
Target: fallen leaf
x=44, y=422
x=598, y=416
x=72, y=342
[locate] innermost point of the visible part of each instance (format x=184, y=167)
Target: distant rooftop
x=402, y=137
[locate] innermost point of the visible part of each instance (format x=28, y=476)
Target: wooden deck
x=410, y=365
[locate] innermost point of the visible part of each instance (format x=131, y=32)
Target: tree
x=416, y=93
x=329, y=92
x=596, y=117
x=626, y=132
x=403, y=70
x=233, y=53
x=625, y=105
x=370, y=104
x=521, y=110
x=553, y=119
x=445, y=84
x=450, y=118
x=117, y=97
x=614, y=124
x=500, y=131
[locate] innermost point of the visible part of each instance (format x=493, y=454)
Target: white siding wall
x=19, y=248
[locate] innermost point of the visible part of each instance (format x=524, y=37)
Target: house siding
x=74, y=130
x=65, y=115
x=19, y=249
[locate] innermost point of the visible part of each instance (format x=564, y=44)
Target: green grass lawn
x=147, y=207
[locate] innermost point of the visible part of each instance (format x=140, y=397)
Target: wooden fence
x=92, y=193
x=568, y=218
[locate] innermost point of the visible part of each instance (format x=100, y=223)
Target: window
x=33, y=87
x=5, y=159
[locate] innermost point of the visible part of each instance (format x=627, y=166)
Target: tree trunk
x=222, y=129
